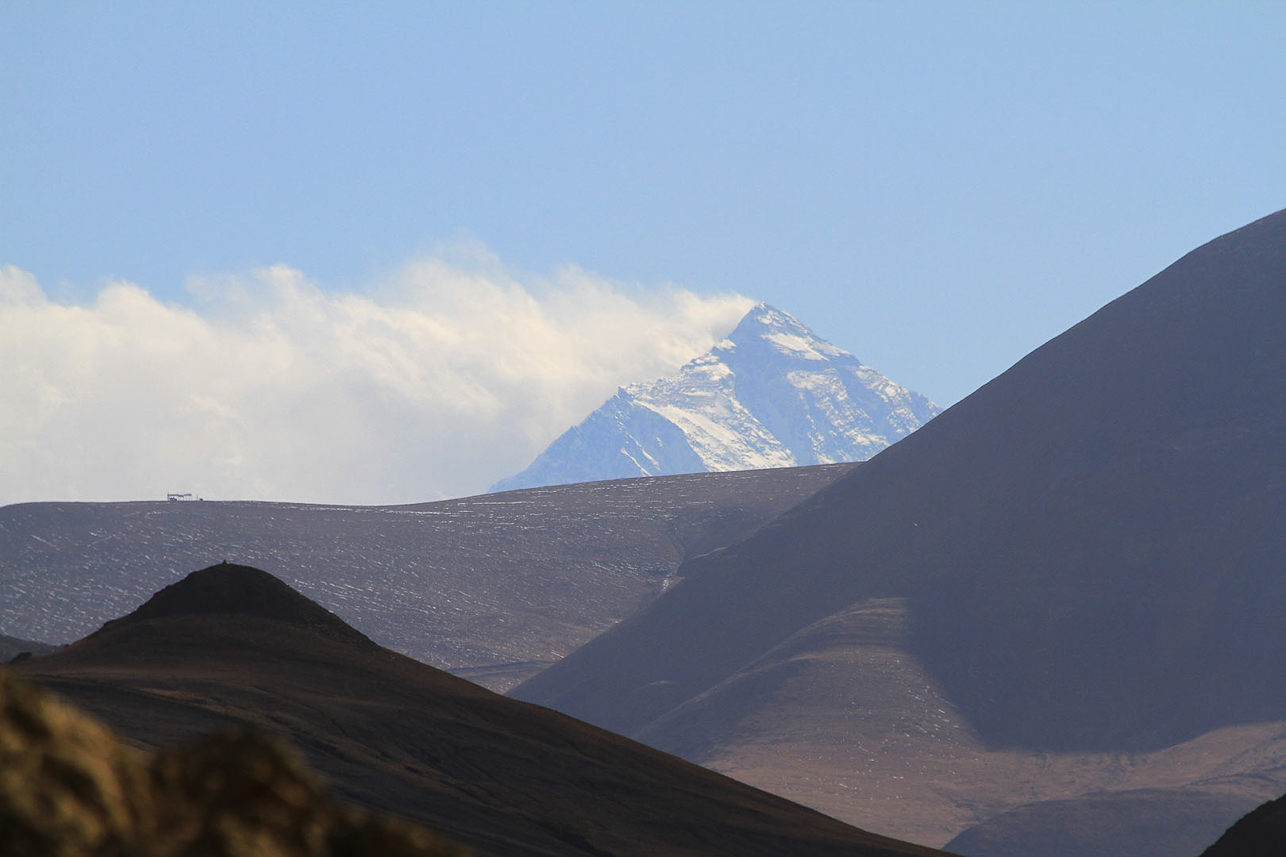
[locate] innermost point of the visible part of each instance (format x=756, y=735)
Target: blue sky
x=937, y=187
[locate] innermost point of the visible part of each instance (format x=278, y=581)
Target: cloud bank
x=431, y=383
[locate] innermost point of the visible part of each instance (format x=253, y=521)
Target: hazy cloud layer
x=431, y=383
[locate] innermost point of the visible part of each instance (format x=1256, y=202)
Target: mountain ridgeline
x=773, y=394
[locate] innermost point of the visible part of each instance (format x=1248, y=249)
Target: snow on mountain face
x=770, y=395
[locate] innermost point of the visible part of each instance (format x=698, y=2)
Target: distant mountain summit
x=773, y=394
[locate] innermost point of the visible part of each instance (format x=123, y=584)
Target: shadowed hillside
x=493, y=587
x=230, y=645
x=1039, y=594
x=71, y=788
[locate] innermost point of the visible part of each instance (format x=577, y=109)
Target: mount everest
x=773, y=394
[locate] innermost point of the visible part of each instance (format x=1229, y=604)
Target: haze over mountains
x=1068, y=583
x=773, y=394
x=492, y=587
x=233, y=645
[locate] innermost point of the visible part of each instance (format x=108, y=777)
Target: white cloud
x=433, y=382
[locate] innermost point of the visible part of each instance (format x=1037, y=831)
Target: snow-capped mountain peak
x=772, y=394
x=767, y=326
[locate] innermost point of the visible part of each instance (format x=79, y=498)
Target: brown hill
x=1066, y=583
x=69, y=787
x=491, y=587
x=240, y=590
x=230, y=645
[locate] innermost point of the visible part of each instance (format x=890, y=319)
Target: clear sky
x=936, y=187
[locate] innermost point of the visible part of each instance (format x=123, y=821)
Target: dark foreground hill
x=69, y=787
x=231, y=645
x=491, y=587
x=1070, y=582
